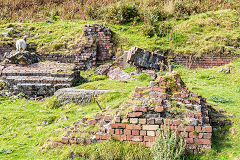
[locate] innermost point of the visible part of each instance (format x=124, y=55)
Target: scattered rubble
x=118, y=74
x=103, y=69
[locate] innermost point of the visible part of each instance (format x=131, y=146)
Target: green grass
x=23, y=122
x=209, y=83
x=196, y=34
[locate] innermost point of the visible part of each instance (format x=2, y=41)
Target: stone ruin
x=23, y=74
x=95, y=46
x=145, y=59
x=39, y=79
x=165, y=102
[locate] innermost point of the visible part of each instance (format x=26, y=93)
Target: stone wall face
x=142, y=124
x=205, y=61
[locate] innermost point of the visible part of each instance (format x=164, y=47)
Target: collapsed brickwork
x=39, y=79
x=95, y=45
x=145, y=59
x=165, y=102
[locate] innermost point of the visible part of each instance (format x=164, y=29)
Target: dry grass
x=39, y=10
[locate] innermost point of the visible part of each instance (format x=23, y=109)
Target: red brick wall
x=205, y=61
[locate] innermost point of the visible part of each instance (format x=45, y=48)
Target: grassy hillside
x=214, y=32
x=28, y=125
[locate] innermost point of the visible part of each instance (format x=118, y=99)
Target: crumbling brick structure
x=166, y=102
x=94, y=46
x=145, y=59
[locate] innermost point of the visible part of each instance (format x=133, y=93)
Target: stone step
x=38, y=89
x=41, y=79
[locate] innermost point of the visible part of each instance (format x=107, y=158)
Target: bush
x=52, y=103
x=120, y=13
x=168, y=145
x=144, y=77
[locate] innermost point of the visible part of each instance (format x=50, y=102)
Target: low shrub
x=120, y=13
x=144, y=77
x=168, y=145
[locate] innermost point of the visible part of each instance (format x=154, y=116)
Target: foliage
x=220, y=99
x=144, y=77
x=168, y=145
x=129, y=69
x=52, y=103
x=120, y=13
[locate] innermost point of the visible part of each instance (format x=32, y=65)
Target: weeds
x=168, y=145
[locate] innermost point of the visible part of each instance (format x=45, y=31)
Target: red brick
x=192, y=135
x=188, y=140
x=168, y=122
x=176, y=122
x=92, y=122
x=173, y=127
x=189, y=128
x=149, y=138
x=162, y=90
x=134, y=114
x=111, y=131
x=207, y=129
x=198, y=129
x=72, y=140
x=159, y=109
x=139, y=89
x=135, y=138
x=140, y=109
x=135, y=132
x=118, y=131
x=55, y=144
x=65, y=140
x=118, y=125
x=120, y=137
x=159, y=102
x=132, y=126
x=184, y=134
x=127, y=132
x=200, y=135
x=143, y=133
x=108, y=118
x=102, y=136
x=203, y=141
